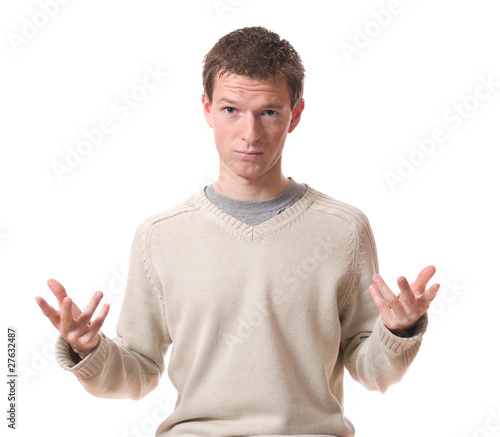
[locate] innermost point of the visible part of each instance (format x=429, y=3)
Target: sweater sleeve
x=130, y=365
x=373, y=355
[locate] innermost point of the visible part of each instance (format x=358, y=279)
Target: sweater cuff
x=86, y=367
x=399, y=344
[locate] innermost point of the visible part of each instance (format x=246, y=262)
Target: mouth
x=249, y=155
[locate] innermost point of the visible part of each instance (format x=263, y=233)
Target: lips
x=248, y=155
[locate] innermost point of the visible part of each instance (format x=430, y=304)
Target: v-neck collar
x=248, y=232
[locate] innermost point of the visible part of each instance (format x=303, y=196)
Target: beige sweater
x=262, y=320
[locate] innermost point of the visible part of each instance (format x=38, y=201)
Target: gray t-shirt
x=255, y=212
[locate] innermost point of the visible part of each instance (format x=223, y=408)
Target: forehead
x=235, y=87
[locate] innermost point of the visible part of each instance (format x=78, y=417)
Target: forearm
x=111, y=370
x=383, y=358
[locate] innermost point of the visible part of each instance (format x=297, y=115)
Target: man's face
x=251, y=119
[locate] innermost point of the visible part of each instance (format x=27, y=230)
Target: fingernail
x=376, y=277
x=99, y=294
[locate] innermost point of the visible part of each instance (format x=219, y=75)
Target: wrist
x=406, y=332
x=75, y=356
x=80, y=353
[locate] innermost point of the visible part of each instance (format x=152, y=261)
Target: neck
x=239, y=188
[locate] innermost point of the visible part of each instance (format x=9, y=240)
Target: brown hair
x=257, y=53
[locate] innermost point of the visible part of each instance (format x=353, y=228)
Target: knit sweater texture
x=262, y=320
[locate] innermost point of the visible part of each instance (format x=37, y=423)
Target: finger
x=407, y=297
x=88, y=312
x=60, y=293
x=58, y=290
x=379, y=302
x=51, y=313
x=99, y=320
x=385, y=291
x=418, y=286
x=66, y=315
x=431, y=292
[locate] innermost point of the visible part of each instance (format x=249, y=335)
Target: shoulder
x=174, y=216
x=339, y=211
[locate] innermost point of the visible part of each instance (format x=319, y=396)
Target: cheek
x=279, y=132
x=223, y=139
x=221, y=134
x=219, y=126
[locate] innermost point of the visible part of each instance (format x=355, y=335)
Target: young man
x=263, y=285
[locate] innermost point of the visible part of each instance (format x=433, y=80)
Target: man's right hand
x=74, y=325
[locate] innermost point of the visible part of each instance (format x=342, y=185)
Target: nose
x=250, y=129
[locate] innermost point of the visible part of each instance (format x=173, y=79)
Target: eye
x=270, y=112
x=230, y=110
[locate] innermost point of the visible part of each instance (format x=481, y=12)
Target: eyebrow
x=267, y=105
x=225, y=99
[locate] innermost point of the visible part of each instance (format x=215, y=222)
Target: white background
x=364, y=112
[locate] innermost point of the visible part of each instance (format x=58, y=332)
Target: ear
x=207, y=110
x=296, y=114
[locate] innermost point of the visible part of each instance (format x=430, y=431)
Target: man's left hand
x=399, y=313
